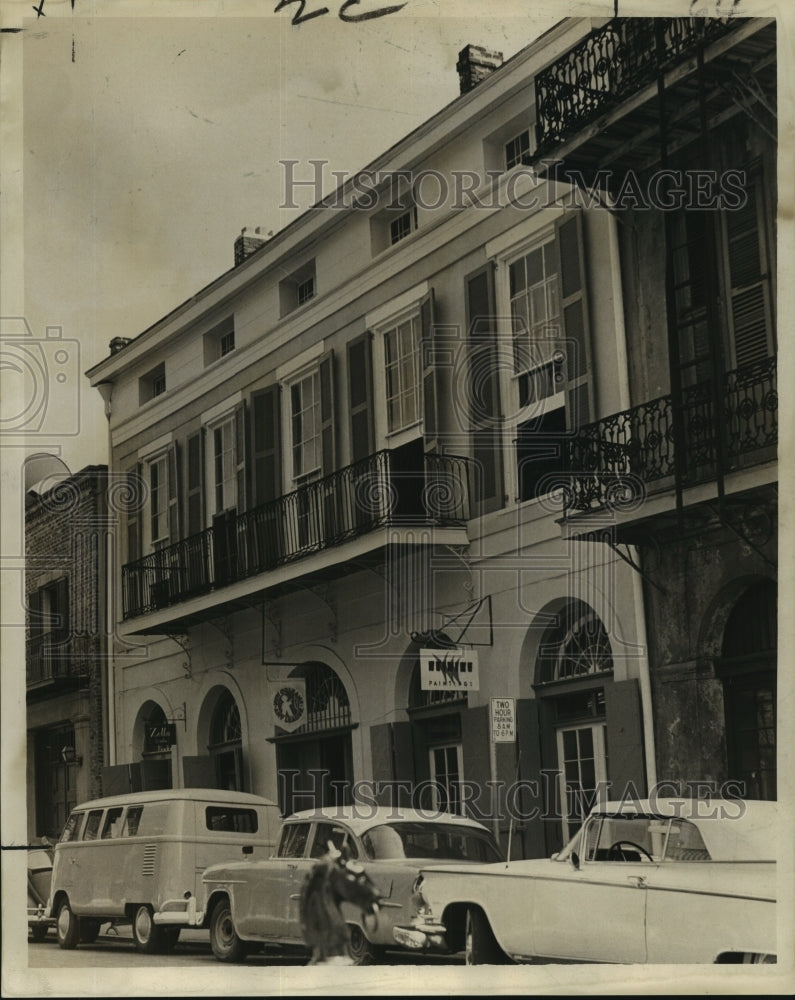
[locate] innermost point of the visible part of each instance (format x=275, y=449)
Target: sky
x=149, y=142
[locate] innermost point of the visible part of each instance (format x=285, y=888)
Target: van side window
x=231, y=820
x=112, y=824
x=293, y=841
x=72, y=827
x=92, y=825
x=131, y=821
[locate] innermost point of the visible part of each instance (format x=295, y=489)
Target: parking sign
x=503, y=720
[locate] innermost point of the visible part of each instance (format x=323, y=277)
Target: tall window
x=158, y=499
x=306, y=426
x=401, y=350
x=225, y=466
x=446, y=773
x=226, y=743
x=535, y=311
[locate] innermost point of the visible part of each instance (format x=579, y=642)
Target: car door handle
x=639, y=880
x=291, y=866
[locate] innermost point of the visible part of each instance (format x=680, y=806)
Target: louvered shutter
x=241, y=451
x=327, y=416
x=174, y=519
x=430, y=393
x=194, y=493
x=360, y=397
x=266, y=445
x=750, y=313
x=484, y=392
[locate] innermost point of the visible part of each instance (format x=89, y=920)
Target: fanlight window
x=575, y=646
x=326, y=698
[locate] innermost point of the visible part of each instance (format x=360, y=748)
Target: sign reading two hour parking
x=503, y=720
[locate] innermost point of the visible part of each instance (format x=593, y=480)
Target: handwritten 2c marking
x=299, y=16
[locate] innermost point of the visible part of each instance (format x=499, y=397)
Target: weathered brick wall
x=64, y=538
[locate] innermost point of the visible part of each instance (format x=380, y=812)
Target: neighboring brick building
x=66, y=527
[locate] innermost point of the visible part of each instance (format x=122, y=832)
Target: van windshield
x=71, y=827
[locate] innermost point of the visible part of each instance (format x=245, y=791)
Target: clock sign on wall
x=288, y=701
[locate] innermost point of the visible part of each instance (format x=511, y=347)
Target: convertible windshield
x=642, y=838
x=428, y=840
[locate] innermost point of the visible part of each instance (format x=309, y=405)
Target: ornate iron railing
x=52, y=656
x=615, y=461
x=353, y=501
x=611, y=64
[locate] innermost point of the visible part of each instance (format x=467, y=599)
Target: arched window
x=575, y=646
x=226, y=743
x=748, y=671
x=327, y=703
x=573, y=663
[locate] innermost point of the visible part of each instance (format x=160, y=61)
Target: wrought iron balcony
x=387, y=488
x=52, y=656
x=610, y=65
x=615, y=461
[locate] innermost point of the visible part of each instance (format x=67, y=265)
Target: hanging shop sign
x=288, y=703
x=159, y=737
x=449, y=670
x=503, y=720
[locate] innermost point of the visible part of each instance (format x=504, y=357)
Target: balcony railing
x=51, y=656
x=370, y=494
x=618, y=459
x=610, y=65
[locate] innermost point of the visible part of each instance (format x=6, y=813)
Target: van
x=139, y=858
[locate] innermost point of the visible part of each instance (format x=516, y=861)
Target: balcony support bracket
x=631, y=562
x=272, y=617
x=183, y=641
x=222, y=625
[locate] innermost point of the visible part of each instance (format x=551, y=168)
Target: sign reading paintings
x=449, y=670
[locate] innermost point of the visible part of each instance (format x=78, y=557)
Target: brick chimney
x=118, y=344
x=475, y=64
x=247, y=242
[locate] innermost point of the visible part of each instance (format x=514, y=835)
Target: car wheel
x=481, y=945
x=66, y=926
x=89, y=930
x=38, y=932
x=148, y=937
x=362, y=951
x=226, y=945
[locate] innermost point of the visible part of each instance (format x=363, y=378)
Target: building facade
x=685, y=151
x=66, y=526
x=355, y=533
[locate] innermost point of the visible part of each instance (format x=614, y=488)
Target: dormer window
x=297, y=289
x=152, y=384
x=400, y=227
x=219, y=341
x=517, y=150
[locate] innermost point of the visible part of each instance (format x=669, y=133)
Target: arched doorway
x=315, y=763
x=436, y=720
x=159, y=736
x=747, y=668
x=226, y=743
x=574, y=664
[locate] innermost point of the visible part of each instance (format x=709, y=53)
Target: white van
x=139, y=859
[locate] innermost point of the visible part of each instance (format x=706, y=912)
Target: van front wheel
x=148, y=937
x=226, y=945
x=67, y=927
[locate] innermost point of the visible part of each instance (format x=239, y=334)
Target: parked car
x=671, y=880
x=39, y=878
x=138, y=859
x=257, y=902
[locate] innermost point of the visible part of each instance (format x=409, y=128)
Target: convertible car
x=662, y=881
x=253, y=903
